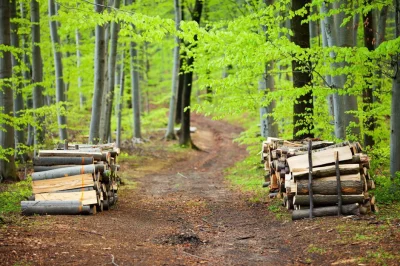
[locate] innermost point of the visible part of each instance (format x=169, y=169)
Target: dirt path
x=182, y=212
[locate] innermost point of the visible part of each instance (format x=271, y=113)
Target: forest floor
x=176, y=208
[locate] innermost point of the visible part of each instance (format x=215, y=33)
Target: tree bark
x=60, y=93
x=327, y=200
x=325, y=171
x=181, y=77
x=64, y=172
x=48, y=161
x=99, y=66
x=170, y=134
x=303, y=106
x=82, y=99
x=37, y=70
x=184, y=137
x=135, y=91
x=7, y=142
x=53, y=207
x=395, y=112
x=320, y=186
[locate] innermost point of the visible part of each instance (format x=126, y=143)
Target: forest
x=116, y=70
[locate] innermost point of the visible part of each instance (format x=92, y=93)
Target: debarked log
x=49, y=161
x=62, y=183
x=63, y=172
x=326, y=186
x=351, y=209
x=327, y=200
x=53, y=207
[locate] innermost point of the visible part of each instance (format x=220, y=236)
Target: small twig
x=112, y=260
x=181, y=175
x=245, y=237
x=187, y=253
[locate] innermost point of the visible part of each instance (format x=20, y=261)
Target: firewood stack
x=287, y=174
x=80, y=179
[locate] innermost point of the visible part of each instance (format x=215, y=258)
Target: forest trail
x=179, y=210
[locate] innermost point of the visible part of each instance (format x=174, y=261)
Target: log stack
x=287, y=175
x=80, y=179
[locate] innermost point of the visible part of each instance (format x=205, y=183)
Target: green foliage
x=12, y=194
x=387, y=190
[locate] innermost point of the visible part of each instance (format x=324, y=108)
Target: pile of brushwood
x=318, y=178
x=74, y=179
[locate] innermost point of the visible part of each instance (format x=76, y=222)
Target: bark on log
x=63, y=172
x=40, y=168
x=53, y=207
x=352, y=209
x=327, y=200
x=49, y=161
x=320, y=186
x=317, y=172
x=70, y=153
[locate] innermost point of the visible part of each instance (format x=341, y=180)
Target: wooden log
x=40, y=168
x=327, y=200
x=93, y=146
x=370, y=184
x=48, y=161
x=62, y=183
x=351, y=209
x=320, y=158
x=53, y=207
x=63, y=172
x=75, y=190
x=90, y=149
x=70, y=153
x=310, y=181
x=338, y=184
x=325, y=171
x=86, y=197
x=351, y=185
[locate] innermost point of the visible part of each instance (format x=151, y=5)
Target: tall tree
x=120, y=99
x=99, y=67
x=181, y=77
x=82, y=99
x=60, y=88
x=395, y=113
x=269, y=128
x=184, y=136
x=111, y=74
x=37, y=70
x=18, y=84
x=303, y=106
x=7, y=163
x=170, y=134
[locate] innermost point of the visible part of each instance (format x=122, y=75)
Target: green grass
x=380, y=257
x=314, y=249
x=247, y=176
x=12, y=194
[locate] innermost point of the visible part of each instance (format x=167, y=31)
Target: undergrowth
x=12, y=194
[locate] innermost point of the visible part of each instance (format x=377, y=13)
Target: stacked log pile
x=80, y=179
x=339, y=177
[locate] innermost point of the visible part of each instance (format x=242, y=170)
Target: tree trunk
x=303, y=106
x=19, y=84
x=120, y=100
x=99, y=66
x=135, y=91
x=170, y=134
x=64, y=172
x=395, y=113
x=60, y=94
x=369, y=39
x=53, y=207
x=181, y=78
x=37, y=69
x=7, y=143
x=82, y=99
x=104, y=101
x=48, y=161
x=111, y=74
x=184, y=137
x=320, y=186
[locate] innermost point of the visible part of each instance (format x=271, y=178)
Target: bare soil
x=177, y=209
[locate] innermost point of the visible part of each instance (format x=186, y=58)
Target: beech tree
x=7, y=163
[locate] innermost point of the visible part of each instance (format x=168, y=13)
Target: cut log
x=62, y=183
x=352, y=209
x=327, y=200
x=327, y=186
x=63, y=172
x=48, y=161
x=75, y=190
x=40, y=168
x=320, y=158
x=86, y=197
x=53, y=207
x=317, y=172
x=70, y=153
